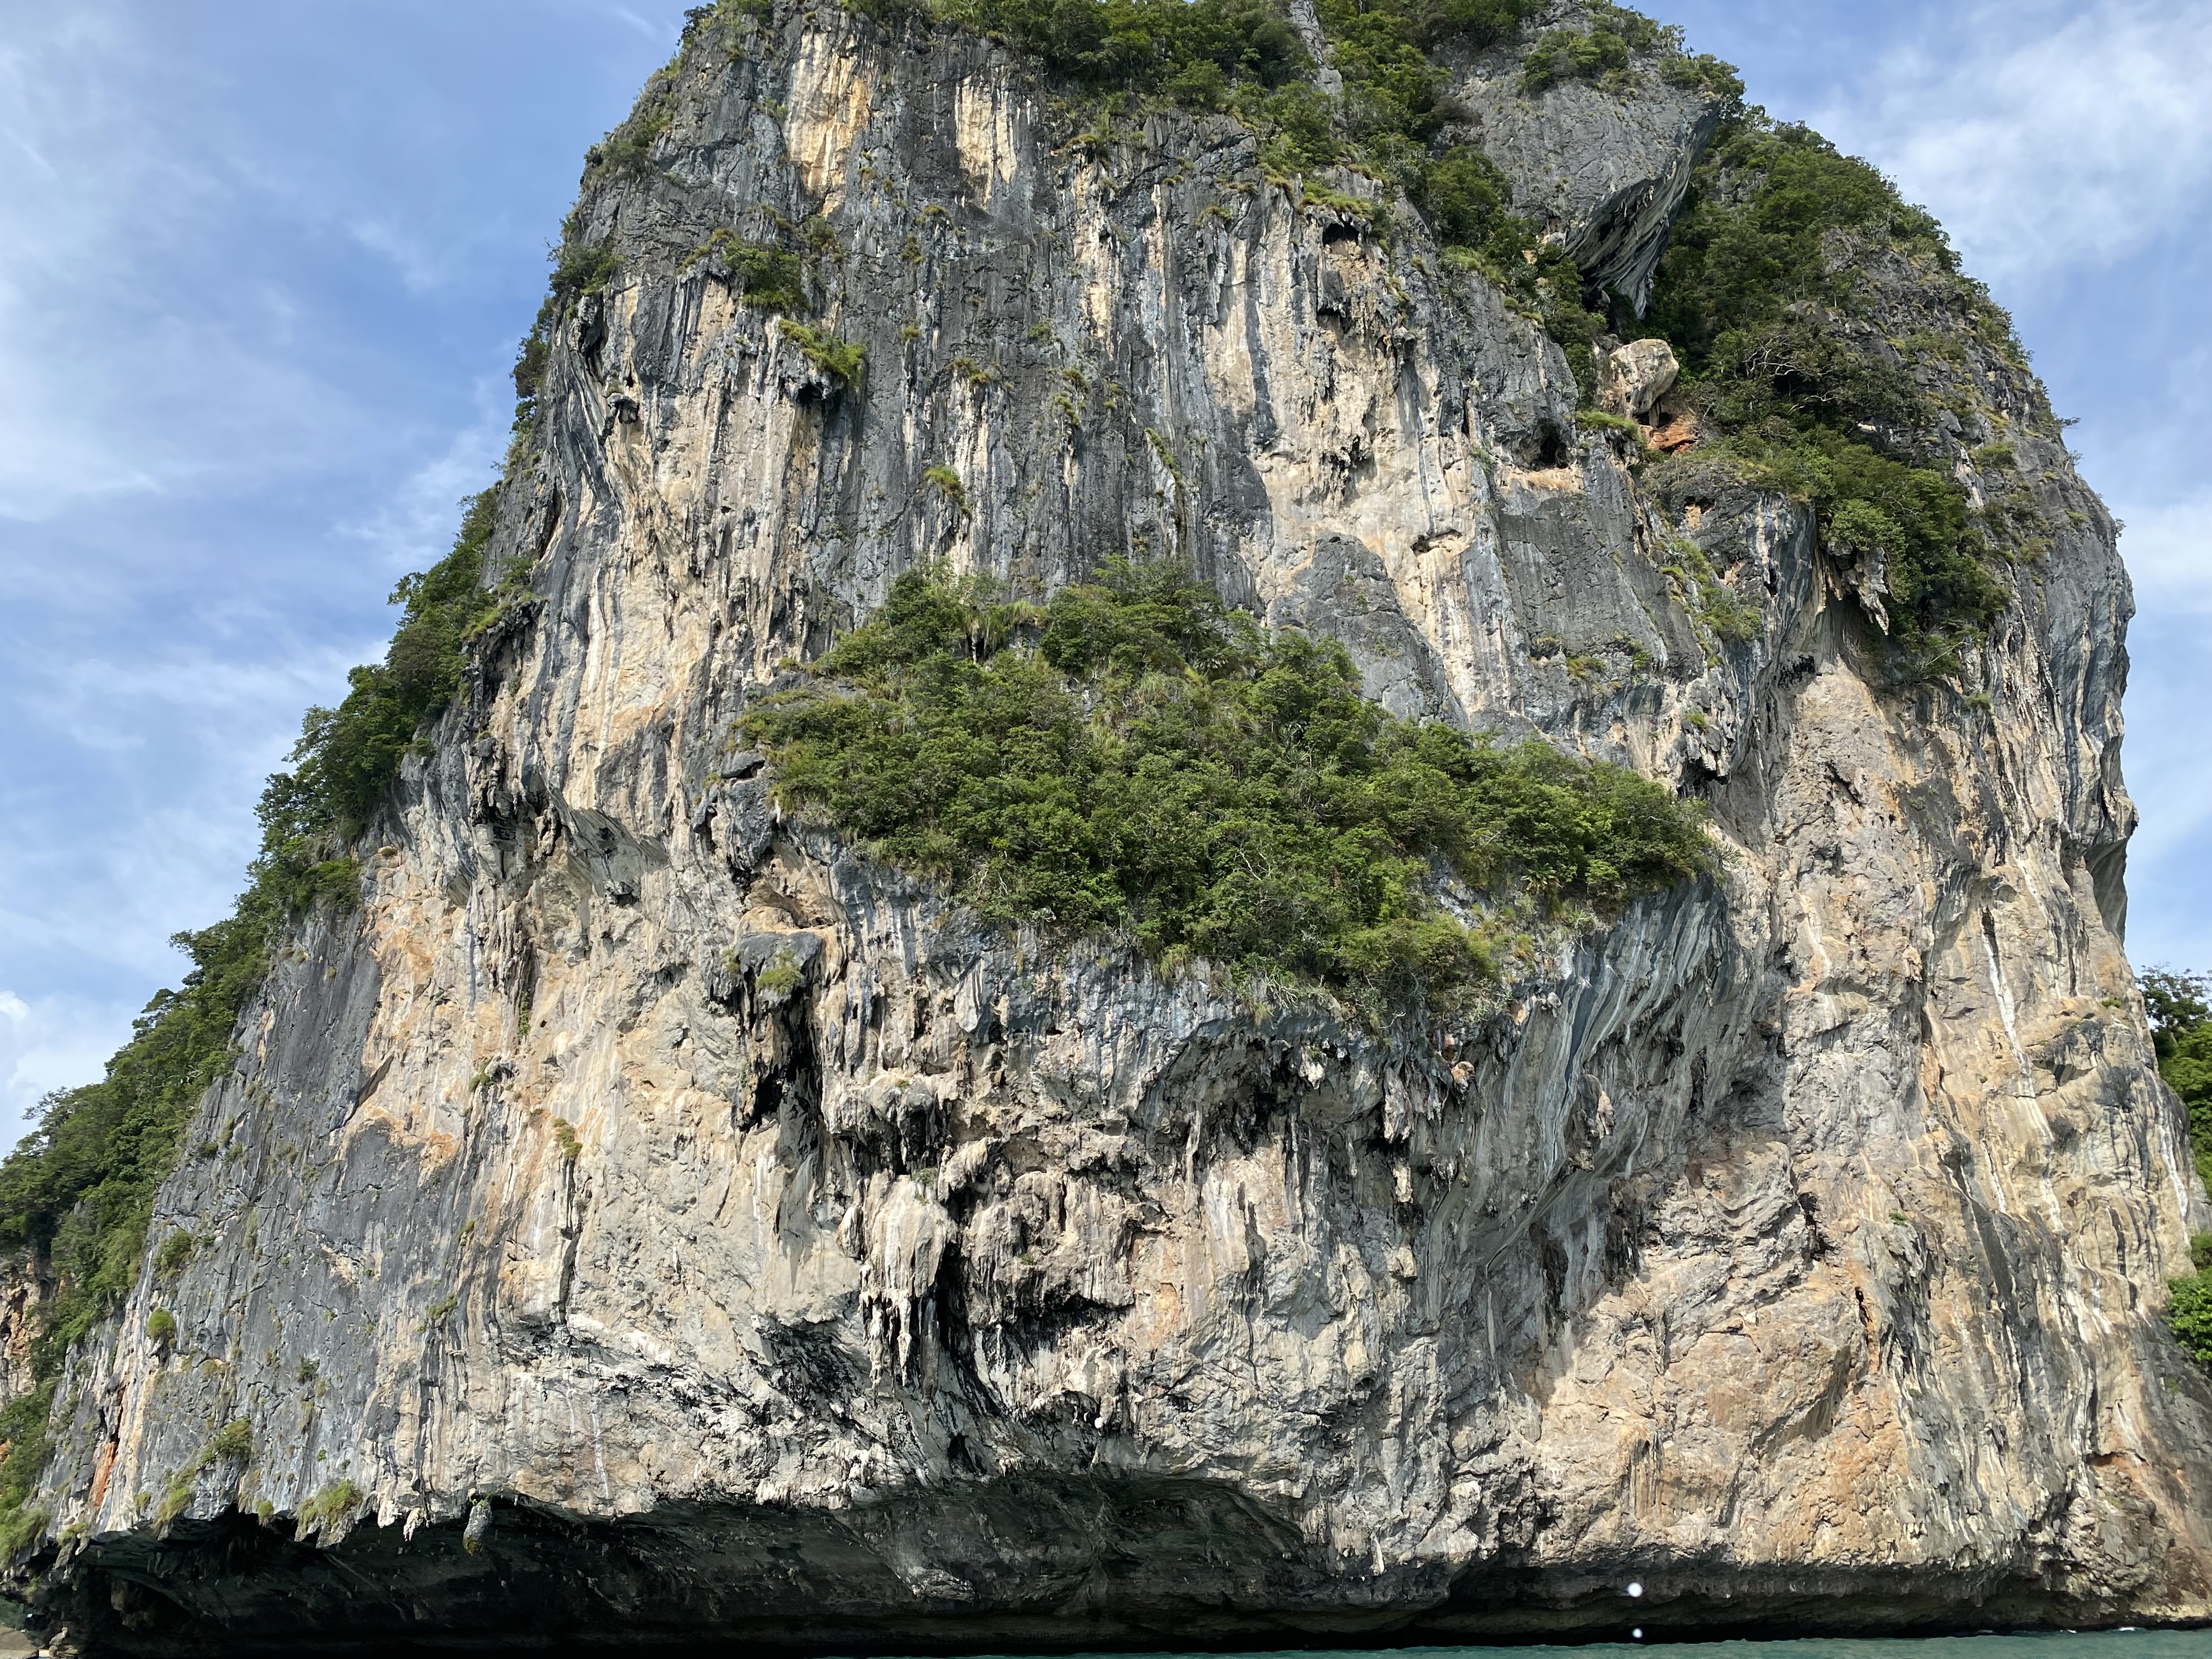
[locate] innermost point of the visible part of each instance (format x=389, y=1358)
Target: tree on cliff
x=2180, y=1010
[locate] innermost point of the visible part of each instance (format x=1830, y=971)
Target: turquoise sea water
x=2062, y=1644
x=2059, y=1644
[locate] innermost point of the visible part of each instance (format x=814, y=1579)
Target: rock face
x=644, y=1217
x=1603, y=173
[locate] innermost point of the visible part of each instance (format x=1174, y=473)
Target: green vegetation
x=347, y=756
x=1601, y=54
x=766, y=277
x=947, y=483
x=846, y=361
x=1131, y=759
x=328, y=1509
x=1464, y=198
x=2189, y=1305
x=1706, y=596
x=23, y=1428
x=234, y=1442
x=776, y=981
x=1198, y=54
x=1243, y=58
x=2180, y=1010
x=79, y=1188
x=175, y=1500
x=1754, y=279
x=162, y=1327
x=579, y=267
x=1604, y=55
x=176, y=1252
x=627, y=152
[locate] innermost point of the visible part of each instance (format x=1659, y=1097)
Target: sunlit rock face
x=756, y=1244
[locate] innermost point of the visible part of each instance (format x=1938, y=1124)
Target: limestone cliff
x=643, y=1217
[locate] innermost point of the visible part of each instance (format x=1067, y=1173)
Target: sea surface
x=2057, y=1645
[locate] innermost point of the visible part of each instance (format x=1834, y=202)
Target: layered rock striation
x=643, y=1218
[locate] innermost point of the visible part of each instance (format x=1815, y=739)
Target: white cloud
x=651, y=31
x=412, y=528
x=49, y=1043
x=420, y=267
x=245, y=252
x=2169, y=553
x=2047, y=136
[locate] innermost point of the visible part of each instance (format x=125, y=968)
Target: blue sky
x=263, y=267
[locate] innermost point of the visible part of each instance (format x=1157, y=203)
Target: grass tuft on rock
x=1132, y=760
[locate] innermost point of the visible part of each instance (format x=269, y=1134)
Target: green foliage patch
x=2180, y=1010
x=1243, y=58
x=1601, y=53
x=80, y=1188
x=23, y=1427
x=842, y=360
x=1194, y=52
x=329, y=1509
x=2189, y=1312
x=1466, y=204
x=176, y=1252
x=347, y=756
x=766, y=276
x=947, y=483
x=1744, y=295
x=579, y=267
x=627, y=152
x=1132, y=760
x=232, y=1442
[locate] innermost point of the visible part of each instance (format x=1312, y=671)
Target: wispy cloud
x=261, y=270
x=2169, y=553
x=48, y=1043
x=2048, y=136
x=651, y=31
x=413, y=525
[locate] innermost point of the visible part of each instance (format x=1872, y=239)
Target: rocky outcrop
x=645, y=1217
x=1603, y=173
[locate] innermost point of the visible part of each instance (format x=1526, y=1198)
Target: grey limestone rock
x=1635, y=376
x=647, y=1219
x=1605, y=171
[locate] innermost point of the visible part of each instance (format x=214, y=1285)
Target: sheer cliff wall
x=734, y=1237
